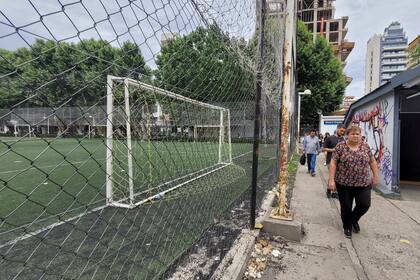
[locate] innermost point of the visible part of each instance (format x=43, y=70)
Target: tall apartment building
x=373, y=63
x=394, y=52
x=318, y=16
x=386, y=56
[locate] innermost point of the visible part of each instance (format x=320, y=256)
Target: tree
x=50, y=73
x=200, y=65
x=321, y=72
x=415, y=55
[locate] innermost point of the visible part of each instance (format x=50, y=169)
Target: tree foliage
x=200, y=65
x=50, y=73
x=321, y=72
x=414, y=55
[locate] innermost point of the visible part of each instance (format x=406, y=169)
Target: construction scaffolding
x=319, y=17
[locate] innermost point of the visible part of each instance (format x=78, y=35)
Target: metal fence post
x=257, y=114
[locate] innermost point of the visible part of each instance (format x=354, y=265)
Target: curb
x=234, y=264
x=236, y=260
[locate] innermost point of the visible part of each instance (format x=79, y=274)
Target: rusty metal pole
x=257, y=113
x=281, y=212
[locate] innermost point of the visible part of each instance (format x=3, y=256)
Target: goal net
x=158, y=142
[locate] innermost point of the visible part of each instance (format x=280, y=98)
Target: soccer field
x=49, y=180
x=49, y=186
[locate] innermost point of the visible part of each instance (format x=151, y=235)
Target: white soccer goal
x=158, y=141
x=23, y=130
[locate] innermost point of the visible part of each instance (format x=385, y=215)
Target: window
x=334, y=26
x=334, y=37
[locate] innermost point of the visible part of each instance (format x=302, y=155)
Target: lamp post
x=306, y=92
x=320, y=118
x=48, y=124
x=90, y=127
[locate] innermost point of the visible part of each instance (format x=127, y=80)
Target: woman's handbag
x=302, y=159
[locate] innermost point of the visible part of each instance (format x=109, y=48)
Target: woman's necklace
x=353, y=147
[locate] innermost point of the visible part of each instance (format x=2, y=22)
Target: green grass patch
x=292, y=167
x=43, y=181
x=141, y=242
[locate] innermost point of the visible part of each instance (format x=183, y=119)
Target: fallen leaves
x=405, y=241
x=258, y=226
x=276, y=253
x=258, y=263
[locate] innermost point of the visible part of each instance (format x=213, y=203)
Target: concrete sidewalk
x=388, y=246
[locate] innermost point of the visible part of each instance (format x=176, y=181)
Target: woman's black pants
x=346, y=194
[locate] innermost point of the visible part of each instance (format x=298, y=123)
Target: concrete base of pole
x=291, y=230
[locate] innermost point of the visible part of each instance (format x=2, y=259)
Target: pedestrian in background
x=327, y=134
x=321, y=139
x=352, y=161
x=311, y=147
x=329, y=146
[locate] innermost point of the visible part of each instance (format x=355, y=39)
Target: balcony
x=389, y=71
x=387, y=77
x=394, y=47
x=394, y=55
x=343, y=49
x=390, y=63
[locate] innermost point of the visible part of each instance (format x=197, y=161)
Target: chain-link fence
x=126, y=133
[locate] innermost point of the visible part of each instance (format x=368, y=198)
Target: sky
x=141, y=21
x=367, y=17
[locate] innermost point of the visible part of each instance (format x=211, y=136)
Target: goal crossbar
x=129, y=81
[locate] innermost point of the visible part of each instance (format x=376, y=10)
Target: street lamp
x=306, y=92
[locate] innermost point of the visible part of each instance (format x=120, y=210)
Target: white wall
x=377, y=123
x=329, y=124
x=373, y=64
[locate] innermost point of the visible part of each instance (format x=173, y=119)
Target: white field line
x=36, y=232
x=178, y=186
x=126, y=205
x=174, y=180
x=47, y=166
x=119, y=201
x=166, y=183
x=33, y=233
x=47, y=218
x=79, y=162
x=244, y=154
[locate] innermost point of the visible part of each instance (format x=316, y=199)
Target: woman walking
x=350, y=175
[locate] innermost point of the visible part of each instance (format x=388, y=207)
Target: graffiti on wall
x=374, y=121
x=386, y=166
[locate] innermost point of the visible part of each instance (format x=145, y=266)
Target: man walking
x=329, y=147
x=311, y=147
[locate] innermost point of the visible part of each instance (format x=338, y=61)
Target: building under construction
x=318, y=15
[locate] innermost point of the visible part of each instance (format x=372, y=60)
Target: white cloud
x=367, y=17
x=141, y=21
x=115, y=21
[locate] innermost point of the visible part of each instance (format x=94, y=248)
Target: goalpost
x=158, y=141
x=16, y=130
